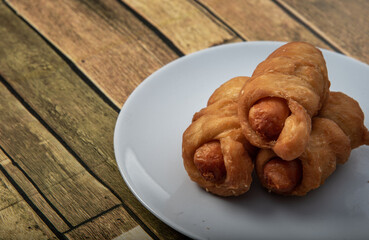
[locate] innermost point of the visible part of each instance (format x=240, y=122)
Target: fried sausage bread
x=216, y=155
x=338, y=128
x=285, y=91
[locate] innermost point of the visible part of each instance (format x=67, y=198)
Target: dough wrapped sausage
x=285, y=91
x=337, y=130
x=216, y=155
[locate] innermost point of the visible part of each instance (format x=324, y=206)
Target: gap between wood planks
x=93, y=218
x=49, y=224
x=30, y=203
x=311, y=27
x=73, y=66
x=290, y=12
x=164, y=38
x=69, y=62
x=211, y=13
x=34, y=185
x=75, y=155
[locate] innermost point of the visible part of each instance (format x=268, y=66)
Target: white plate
x=148, y=141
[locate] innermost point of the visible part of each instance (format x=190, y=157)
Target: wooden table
x=68, y=66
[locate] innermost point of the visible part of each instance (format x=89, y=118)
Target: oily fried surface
x=338, y=128
x=297, y=73
x=214, y=137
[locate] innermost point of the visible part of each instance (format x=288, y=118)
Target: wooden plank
x=17, y=219
x=31, y=192
x=7, y=193
x=185, y=23
x=20, y=222
x=69, y=106
x=49, y=212
x=105, y=40
x=112, y=224
x=57, y=174
x=257, y=20
x=35, y=150
x=89, y=200
x=343, y=23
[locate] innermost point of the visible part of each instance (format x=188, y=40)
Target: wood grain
x=57, y=93
x=24, y=138
x=257, y=20
x=31, y=192
x=186, y=24
x=8, y=194
x=81, y=198
x=343, y=23
x=84, y=122
x=17, y=219
x=105, y=40
x=110, y=225
x=63, y=181
x=19, y=222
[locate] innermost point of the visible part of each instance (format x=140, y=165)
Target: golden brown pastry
x=337, y=130
x=216, y=155
x=285, y=91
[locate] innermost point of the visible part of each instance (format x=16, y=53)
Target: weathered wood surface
x=105, y=40
x=58, y=175
x=17, y=219
x=52, y=168
x=31, y=192
x=74, y=112
x=190, y=27
x=63, y=182
x=343, y=23
x=114, y=224
x=257, y=20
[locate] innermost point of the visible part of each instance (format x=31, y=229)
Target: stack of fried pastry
x=216, y=154
x=283, y=119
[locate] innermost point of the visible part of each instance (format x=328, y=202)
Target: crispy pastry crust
x=337, y=129
x=219, y=121
x=346, y=112
x=297, y=73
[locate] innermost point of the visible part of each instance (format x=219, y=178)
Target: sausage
x=281, y=176
x=209, y=161
x=267, y=117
